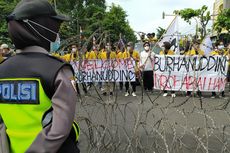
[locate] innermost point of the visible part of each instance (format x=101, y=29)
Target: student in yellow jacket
x=56, y=55
x=119, y=56
x=94, y=54
x=70, y=55
x=131, y=53
x=217, y=52
x=104, y=54
x=195, y=50
x=74, y=56
x=107, y=54
x=166, y=51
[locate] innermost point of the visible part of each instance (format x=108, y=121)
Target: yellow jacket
x=213, y=53
x=92, y=55
x=119, y=55
x=193, y=52
x=103, y=55
x=170, y=52
x=135, y=55
x=56, y=55
x=216, y=52
x=66, y=57
x=87, y=55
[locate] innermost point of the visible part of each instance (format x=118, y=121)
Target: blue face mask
x=54, y=46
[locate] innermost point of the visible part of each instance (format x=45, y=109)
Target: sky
x=146, y=15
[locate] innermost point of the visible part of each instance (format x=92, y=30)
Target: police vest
x=26, y=88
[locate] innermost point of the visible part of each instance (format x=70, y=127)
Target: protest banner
x=116, y=70
x=190, y=73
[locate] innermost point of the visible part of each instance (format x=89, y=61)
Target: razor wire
x=151, y=123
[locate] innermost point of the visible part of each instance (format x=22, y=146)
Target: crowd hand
x=141, y=67
x=131, y=58
x=150, y=56
x=151, y=53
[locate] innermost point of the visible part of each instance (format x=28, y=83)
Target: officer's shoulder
x=56, y=58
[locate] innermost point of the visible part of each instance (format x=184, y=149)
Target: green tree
x=115, y=23
x=89, y=15
x=223, y=21
x=6, y=7
x=85, y=14
x=202, y=16
x=160, y=32
x=95, y=15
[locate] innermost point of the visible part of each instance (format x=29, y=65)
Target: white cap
x=3, y=46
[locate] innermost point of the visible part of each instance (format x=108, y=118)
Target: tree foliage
x=160, y=32
x=6, y=7
x=223, y=21
x=202, y=16
x=86, y=15
x=115, y=23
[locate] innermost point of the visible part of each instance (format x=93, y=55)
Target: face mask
x=108, y=47
x=128, y=48
x=220, y=46
x=54, y=46
x=147, y=48
x=74, y=49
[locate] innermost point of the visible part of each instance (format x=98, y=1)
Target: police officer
x=37, y=94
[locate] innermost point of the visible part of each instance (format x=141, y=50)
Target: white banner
x=104, y=70
x=172, y=36
x=190, y=73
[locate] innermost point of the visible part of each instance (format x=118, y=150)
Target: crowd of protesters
x=143, y=60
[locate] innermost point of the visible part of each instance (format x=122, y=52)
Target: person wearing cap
x=147, y=66
x=166, y=51
x=44, y=96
